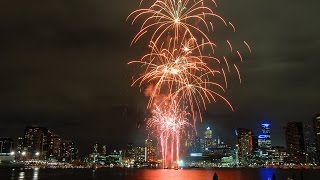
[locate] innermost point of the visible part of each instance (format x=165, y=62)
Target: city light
x=196, y=154
x=262, y=136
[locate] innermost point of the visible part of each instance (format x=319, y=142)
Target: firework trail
x=181, y=72
x=174, y=15
x=169, y=122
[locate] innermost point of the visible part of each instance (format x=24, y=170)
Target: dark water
x=157, y=174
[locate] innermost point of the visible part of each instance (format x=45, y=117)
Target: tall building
x=264, y=139
x=195, y=145
x=35, y=141
x=316, y=129
x=150, y=151
x=208, y=141
x=95, y=148
x=67, y=151
x=244, y=137
x=6, y=145
x=255, y=143
x=54, y=142
x=295, y=142
x=129, y=153
x=310, y=145
x=19, y=145
x=104, y=149
x=139, y=154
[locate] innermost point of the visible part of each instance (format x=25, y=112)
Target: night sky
x=63, y=65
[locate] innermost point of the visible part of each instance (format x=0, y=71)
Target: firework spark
x=175, y=16
x=182, y=72
x=169, y=122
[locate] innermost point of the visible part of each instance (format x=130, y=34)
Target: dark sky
x=63, y=66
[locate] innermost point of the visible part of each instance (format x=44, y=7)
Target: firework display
x=182, y=67
x=169, y=121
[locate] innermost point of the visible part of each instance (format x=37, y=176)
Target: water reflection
x=267, y=173
x=158, y=174
x=21, y=175
x=192, y=174
x=35, y=173
x=12, y=173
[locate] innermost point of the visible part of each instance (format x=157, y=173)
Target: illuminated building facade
x=150, y=151
x=309, y=142
x=51, y=147
x=19, y=145
x=129, y=153
x=264, y=139
x=116, y=157
x=6, y=145
x=195, y=145
x=54, y=146
x=35, y=141
x=139, y=154
x=208, y=141
x=68, y=151
x=244, y=137
x=278, y=155
x=295, y=142
x=316, y=128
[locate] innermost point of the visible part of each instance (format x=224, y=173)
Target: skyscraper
x=35, y=141
x=150, y=151
x=54, y=142
x=129, y=153
x=244, y=137
x=208, y=141
x=310, y=146
x=194, y=145
x=139, y=154
x=19, y=145
x=316, y=129
x=264, y=139
x=295, y=142
x=67, y=153
x=255, y=143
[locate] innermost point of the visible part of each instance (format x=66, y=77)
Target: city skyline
x=206, y=149
x=208, y=134
x=64, y=69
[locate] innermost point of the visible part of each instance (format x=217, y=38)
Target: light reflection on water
x=266, y=173
x=156, y=174
x=21, y=175
x=35, y=173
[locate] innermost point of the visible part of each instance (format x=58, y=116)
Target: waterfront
x=157, y=174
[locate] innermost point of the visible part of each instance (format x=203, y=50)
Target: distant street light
x=23, y=153
x=37, y=153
